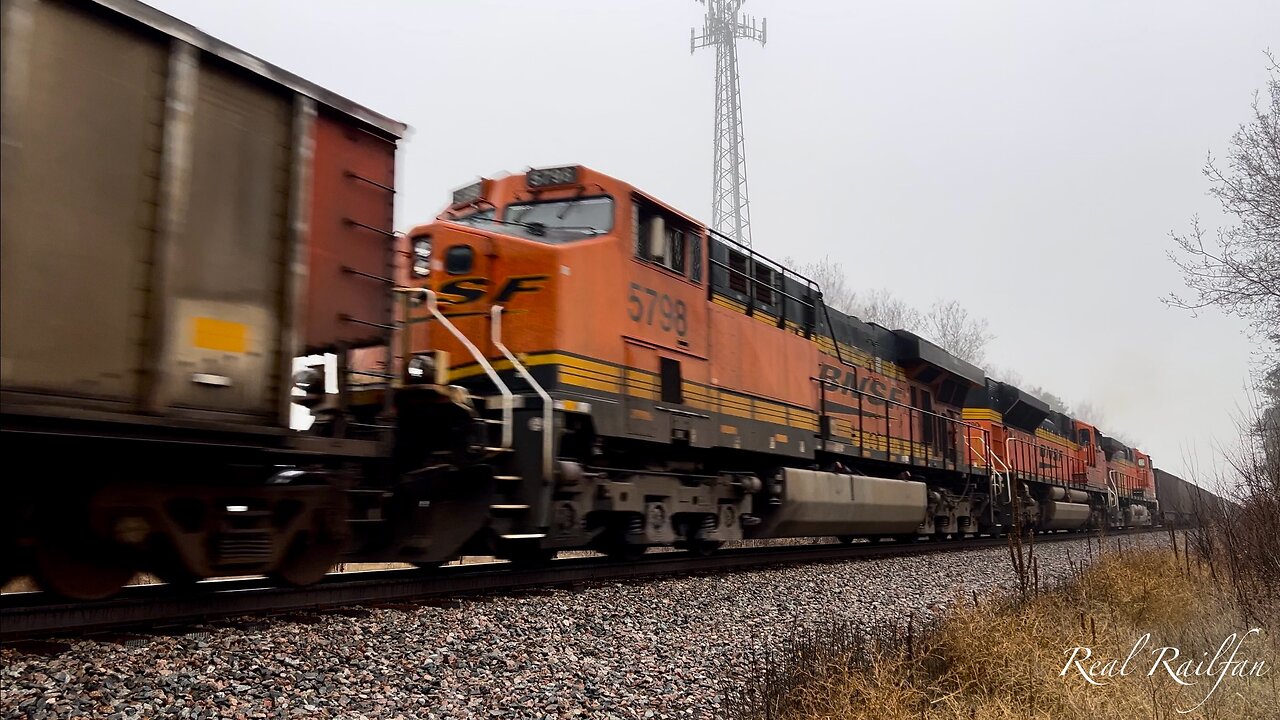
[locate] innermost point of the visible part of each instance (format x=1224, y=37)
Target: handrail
x=1006, y=475
x=751, y=252
x=1063, y=462
x=805, y=302
x=548, y=408
x=507, y=399
x=957, y=421
x=912, y=413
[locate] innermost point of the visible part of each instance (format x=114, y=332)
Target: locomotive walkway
x=154, y=607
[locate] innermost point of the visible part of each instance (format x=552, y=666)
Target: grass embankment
x=1003, y=657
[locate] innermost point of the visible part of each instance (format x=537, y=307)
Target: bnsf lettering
x=874, y=390
x=471, y=289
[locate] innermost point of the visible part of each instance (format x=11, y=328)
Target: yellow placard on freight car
x=221, y=335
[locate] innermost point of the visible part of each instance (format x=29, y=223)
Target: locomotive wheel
x=529, y=554
x=79, y=568
x=309, y=559
x=703, y=548
x=625, y=552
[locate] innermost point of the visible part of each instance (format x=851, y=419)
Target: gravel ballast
x=666, y=648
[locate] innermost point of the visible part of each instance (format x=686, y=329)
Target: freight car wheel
x=79, y=568
x=309, y=559
x=527, y=553
x=169, y=567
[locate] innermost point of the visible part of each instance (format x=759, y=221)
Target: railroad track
x=25, y=616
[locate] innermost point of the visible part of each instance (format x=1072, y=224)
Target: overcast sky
x=1025, y=158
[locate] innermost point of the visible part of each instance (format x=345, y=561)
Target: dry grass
x=1002, y=658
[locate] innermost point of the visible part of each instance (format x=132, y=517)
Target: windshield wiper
x=540, y=229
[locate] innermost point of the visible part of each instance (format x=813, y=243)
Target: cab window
x=665, y=239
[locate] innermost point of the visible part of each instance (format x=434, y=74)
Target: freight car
x=1184, y=504
x=658, y=384
x=180, y=220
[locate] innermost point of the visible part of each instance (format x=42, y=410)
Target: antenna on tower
x=721, y=29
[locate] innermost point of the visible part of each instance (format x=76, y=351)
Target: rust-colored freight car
x=189, y=218
x=180, y=220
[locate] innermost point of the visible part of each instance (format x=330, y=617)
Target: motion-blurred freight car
x=1183, y=504
x=180, y=220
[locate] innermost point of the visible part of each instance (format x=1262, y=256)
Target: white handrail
x=993, y=460
x=507, y=402
x=548, y=409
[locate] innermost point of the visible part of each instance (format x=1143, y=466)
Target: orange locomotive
x=648, y=381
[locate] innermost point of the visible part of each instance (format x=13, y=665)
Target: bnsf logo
x=471, y=289
x=875, y=390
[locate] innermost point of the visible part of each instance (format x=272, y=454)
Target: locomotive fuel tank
x=818, y=503
x=1062, y=494
x=1063, y=515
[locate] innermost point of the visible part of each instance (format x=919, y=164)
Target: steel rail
x=26, y=616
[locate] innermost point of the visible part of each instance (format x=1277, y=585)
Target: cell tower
x=721, y=29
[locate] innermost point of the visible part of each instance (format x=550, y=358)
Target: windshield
x=560, y=220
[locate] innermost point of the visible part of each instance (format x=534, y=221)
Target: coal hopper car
x=180, y=221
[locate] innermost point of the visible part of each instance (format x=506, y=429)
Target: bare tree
x=831, y=279
x=952, y=327
x=946, y=323
x=884, y=308
x=1090, y=412
x=1269, y=420
x=1055, y=402
x=1008, y=376
x=1237, y=270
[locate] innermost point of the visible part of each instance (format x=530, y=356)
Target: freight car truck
x=180, y=221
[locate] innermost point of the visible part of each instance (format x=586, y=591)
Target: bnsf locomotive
x=696, y=392
x=557, y=361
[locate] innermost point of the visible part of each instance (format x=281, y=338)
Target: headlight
x=310, y=381
x=422, y=256
x=421, y=368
